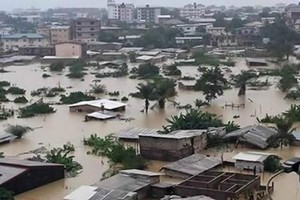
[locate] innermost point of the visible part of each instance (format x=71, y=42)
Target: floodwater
x=56, y=129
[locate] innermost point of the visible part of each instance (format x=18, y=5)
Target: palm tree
x=146, y=91
x=98, y=88
x=284, y=136
x=164, y=88
x=18, y=131
x=241, y=81
x=200, y=103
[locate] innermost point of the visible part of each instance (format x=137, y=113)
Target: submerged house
x=256, y=62
x=251, y=160
x=173, y=146
x=22, y=175
x=253, y=135
x=191, y=166
x=97, y=105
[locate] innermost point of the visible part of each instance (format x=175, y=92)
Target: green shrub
x=16, y=90
x=21, y=99
x=36, y=109
x=75, y=97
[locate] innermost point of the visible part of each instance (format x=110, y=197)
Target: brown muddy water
x=56, y=129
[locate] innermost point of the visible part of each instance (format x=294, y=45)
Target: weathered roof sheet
x=95, y=193
x=6, y=137
x=139, y=172
x=194, y=164
x=16, y=58
x=133, y=133
x=102, y=115
x=256, y=60
x=179, y=134
x=7, y=173
x=108, y=104
x=251, y=156
x=255, y=135
x=122, y=182
x=24, y=163
x=145, y=58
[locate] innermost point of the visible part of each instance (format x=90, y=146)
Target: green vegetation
x=229, y=63
x=21, y=99
x=57, y=67
x=115, y=151
x=288, y=79
x=62, y=156
x=202, y=59
x=146, y=71
x=18, y=131
x=46, y=75
x=132, y=57
x=47, y=92
x=35, y=109
x=97, y=88
x=5, y=194
x=242, y=79
x=212, y=83
x=3, y=97
x=272, y=164
x=16, y=90
x=76, y=69
x=194, y=119
x=200, y=103
x=121, y=72
x=124, y=99
x=4, y=84
x=172, y=70
x=75, y=97
x=294, y=95
x=115, y=93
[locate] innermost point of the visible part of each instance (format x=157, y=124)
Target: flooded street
x=56, y=129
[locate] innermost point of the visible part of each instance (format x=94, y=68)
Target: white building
x=192, y=11
x=192, y=29
x=149, y=14
x=13, y=42
x=123, y=12
x=184, y=40
x=216, y=30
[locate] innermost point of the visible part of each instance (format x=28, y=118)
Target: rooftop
x=133, y=133
x=108, y=104
x=194, y=164
x=179, y=134
x=7, y=173
x=23, y=35
x=251, y=156
x=145, y=58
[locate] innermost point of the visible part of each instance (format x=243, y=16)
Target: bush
x=3, y=98
x=46, y=75
x=35, y=109
x=147, y=70
x=115, y=93
x=21, y=99
x=76, y=97
x=4, y=84
x=124, y=99
x=57, y=67
x=18, y=131
x=16, y=90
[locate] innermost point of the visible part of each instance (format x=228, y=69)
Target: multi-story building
x=86, y=29
x=148, y=14
x=123, y=12
x=192, y=11
x=13, y=42
x=70, y=49
x=60, y=34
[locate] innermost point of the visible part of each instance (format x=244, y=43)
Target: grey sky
x=11, y=4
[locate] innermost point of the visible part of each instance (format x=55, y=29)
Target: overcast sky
x=12, y=4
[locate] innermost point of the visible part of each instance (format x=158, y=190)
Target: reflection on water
x=63, y=126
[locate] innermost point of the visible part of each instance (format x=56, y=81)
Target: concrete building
x=188, y=40
x=216, y=31
x=60, y=34
x=192, y=11
x=70, y=49
x=173, y=146
x=97, y=105
x=86, y=29
x=122, y=12
x=148, y=14
x=22, y=175
x=13, y=42
x=37, y=51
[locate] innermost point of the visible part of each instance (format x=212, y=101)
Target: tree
x=284, y=136
x=146, y=90
x=212, y=83
x=220, y=21
x=200, y=103
x=98, y=88
x=288, y=79
x=235, y=23
x=5, y=194
x=164, y=88
x=18, y=131
x=147, y=70
x=132, y=57
x=242, y=79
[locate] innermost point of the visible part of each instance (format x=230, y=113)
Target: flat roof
x=102, y=115
x=179, y=134
x=24, y=163
x=16, y=58
x=145, y=58
x=194, y=164
x=140, y=172
x=108, y=104
x=8, y=172
x=133, y=133
x=251, y=156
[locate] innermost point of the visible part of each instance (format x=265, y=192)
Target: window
x=78, y=23
x=92, y=23
x=92, y=29
x=92, y=34
x=79, y=29
x=79, y=34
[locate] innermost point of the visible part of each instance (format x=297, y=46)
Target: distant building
x=86, y=29
x=148, y=14
x=293, y=12
x=22, y=175
x=188, y=40
x=97, y=105
x=13, y=42
x=192, y=11
x=44, y=31
x=70, y=49
x=60, y=34
x=216, y=31
x=123, y=12
x=37, y=51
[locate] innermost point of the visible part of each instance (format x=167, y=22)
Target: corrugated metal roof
x=251, y=156
x=108, y=104
x=255, y=135
x=133, y=133
x=194, y=164
x=179, y=134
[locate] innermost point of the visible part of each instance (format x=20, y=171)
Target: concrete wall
x=68, y=50
x=14, y=44
x=249, y=165
x=60, y=35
